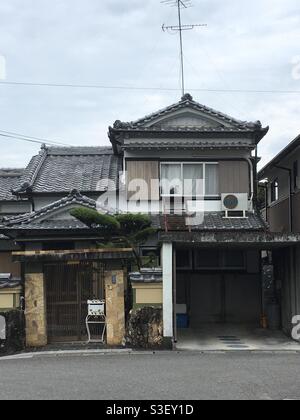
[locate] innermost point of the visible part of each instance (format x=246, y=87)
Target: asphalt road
x=163, y=376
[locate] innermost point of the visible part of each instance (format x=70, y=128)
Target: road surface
x=160, y=376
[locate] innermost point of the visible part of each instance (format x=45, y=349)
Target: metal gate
x=68, y=288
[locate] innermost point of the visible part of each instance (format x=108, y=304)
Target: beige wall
x=148, y=294
x=234, y=177
x=7, y=266
x=10, y=298
x=147, y=171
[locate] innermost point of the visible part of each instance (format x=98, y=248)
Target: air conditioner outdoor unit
x=235, y=205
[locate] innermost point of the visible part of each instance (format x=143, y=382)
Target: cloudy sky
x=247, y=45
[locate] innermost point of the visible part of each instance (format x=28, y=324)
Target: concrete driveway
x=234, y=338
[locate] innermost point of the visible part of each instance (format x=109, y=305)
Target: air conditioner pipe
x=252, y=179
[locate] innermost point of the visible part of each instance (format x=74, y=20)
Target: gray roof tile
x=8, y=179
x=41, y=219
x=60, y=170
x=215, y=222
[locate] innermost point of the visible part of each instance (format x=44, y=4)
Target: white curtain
x=171, y=179
x=212, y=180
x=193, y=180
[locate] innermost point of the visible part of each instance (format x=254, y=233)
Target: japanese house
x=210, y=232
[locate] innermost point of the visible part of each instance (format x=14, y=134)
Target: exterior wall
x=15, y=207
x=147, y=294
x=287, y=275
x=7, y=266
x=35, y=313
x=278, y=216
x=278, y=212
x=10, y=299
x=147, y=171
x=115, y=307
x=187, y=154
x=234, y=177
x=296, y=212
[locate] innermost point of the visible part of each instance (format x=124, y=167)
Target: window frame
x=203, y=164
x=275, y=191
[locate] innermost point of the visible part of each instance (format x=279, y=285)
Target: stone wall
x=145, y=328
x=115, y=307
x=12, y=331
x=35, y=313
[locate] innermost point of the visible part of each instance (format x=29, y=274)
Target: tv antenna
x=180, y=4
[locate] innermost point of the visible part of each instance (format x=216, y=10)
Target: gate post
x=35, y=313
x=115, y=307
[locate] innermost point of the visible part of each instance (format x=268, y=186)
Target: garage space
x=218, y=286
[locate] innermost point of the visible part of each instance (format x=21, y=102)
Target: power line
x=36, y=140
x=144, y=88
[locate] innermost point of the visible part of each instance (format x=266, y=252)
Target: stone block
x=35, y=313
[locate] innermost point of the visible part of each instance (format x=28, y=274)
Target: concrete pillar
x=115, y=307
x=35, y=313
x=167, y=265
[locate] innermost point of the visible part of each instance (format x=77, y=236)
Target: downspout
x=251, y=179
x=291, y=215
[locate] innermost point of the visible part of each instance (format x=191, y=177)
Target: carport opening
x=220, y=290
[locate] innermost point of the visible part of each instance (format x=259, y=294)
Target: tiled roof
x=41, y=219
x=60, y=170
x=9, y=282
x=8, y=179
x=188, y=101
x=147, y=275
x=214, y=222
x=193, y=144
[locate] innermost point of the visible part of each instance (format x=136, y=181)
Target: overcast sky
x=247, y=45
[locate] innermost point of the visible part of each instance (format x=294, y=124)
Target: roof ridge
x=31, y=172
x=69, y=150
x=186, y=100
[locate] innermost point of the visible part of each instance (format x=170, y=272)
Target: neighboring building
x=281, y=180
x=211, y=264
x=283, y=189
x=10, y=205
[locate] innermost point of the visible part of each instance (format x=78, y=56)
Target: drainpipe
x=252, y=178
x=291, y=215
x=265, y=187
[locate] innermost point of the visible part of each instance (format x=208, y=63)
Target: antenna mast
x=180, y=4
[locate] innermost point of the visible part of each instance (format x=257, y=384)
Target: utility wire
x=136, y=88
x=30, y=139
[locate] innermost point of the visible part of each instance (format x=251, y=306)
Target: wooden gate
x=68, y=288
